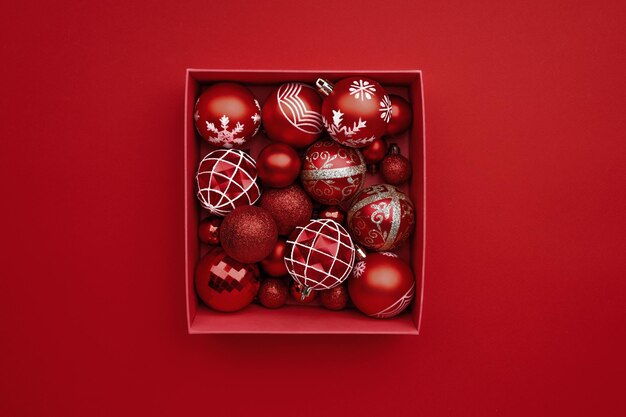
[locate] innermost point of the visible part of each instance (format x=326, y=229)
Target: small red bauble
x=332, y=173
x=335, y=299
x=209, y=231
x=291, y=115
x=298, y=294
x=375, y=151
x=225, y=284
x=278, y=165
x=273, y=293
x=319, y=255
x=356, y=110
x=401, y=115
x=381, y=285
x=227, y=115
x=290, y=207
x=395, y=168
x=274, y=264
x=381, y=217
x=333, y=213
x=226, y=179
x=248, y=234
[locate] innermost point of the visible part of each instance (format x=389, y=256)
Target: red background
x=525, y=269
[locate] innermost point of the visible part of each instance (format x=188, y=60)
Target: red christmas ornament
x=248, y=234
x=356, y=110
x=335, y=299
x=209, y=231
x=274, y=264
x=291, y=115
x=395, y=168
x=273, y=293
x=227, y=115
x=226, y=179
x=381, y=217
x=298, y=294
x=401, y=115
x=319, y=255
x=333, y=213
x=225, y=284
x=290, y=207
x=375, y=151
x=381, y=285
x=278, y=165
x=332, y=173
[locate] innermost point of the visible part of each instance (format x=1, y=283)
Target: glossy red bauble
x=336, y=298
x=273, y=293
x=375, y=151
x=297, y=293
x=248, y=234
x=278, y=165
x=209, y=230
x=274, y=264
x=290, y=207
x=401, y=115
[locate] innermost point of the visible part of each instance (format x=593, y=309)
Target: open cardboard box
x=299, y=318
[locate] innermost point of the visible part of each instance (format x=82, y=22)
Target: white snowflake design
x=362, y=90
x=256, y=117
x=390, y=254
x=385, y=108
x=225, y=137
x=358, y=270
x=336, y=127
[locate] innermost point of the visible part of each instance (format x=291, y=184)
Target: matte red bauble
x=291, y=115
x=226, y=179
x=332, y=173
x=298, y=294
x=274, y=264
x=209, y=230
x=381, y=285
x=335, y=299
x=225, y=284
x=248, y=234
x=319, y=255
x=290, y=207
x=395, y=168
x=381, y=217
x=401, y=115
x=278, y=165
x=227, y=115
x=273, y=293
x=355, y=111
x=375, y=151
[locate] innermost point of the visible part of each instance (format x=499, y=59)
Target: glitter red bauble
x=290, y=207
x=225, y=284
x=356, y=110
x=319, y=255
x=227, y=115
x=395, y=169
x=332, y=173
x=375, y=151
x=401, y=115
x=381, y=217
x=296, y=292
x=209, y=230
x=335, y=298
x=248, y=234
x=274, y=263
x=278, y=165
x=291, y=115
x=273, y=293
x=226, y=179
x=381, y=285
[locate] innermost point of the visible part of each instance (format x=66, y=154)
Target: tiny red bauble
x=278, y=165
x=375, y=151
x=296, y=292
x=290, y=207
x=274, y=264
x=209, y=231
x=227, y=115
x=381, y=285
x=332, y=173
x=355, y=111
x=225, y=284
x=401, y=115
x=333, y=213
x=248, y=234
x=335, y=299
x=273, y=293
x=395, y=168
x=291, y=115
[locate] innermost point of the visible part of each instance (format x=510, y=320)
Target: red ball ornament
x=209, y=231
x=273, y=293
x=375, y=151
x=335, y=299
x=381, y=217
x=225, y=284
x=290, y=207
x=298, y=294
x=401, y=115
x=248, y=234
x=333, y=213
x=227, y=115
x=226, y=179
x=355, y=111
x=395, y=168
x=274, y=264
x=381, y=285
x=332, y=173
x=291, y=115
x=278, y=165
x=319, y=255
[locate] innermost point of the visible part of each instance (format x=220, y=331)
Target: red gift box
x=299, y=318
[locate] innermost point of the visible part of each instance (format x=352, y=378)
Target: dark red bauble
x=278, y=165
x=395, y=168
x=296, y=292
x=335, y=299
x=290, y=207
x=274, y=264
x=381, y=285
x=401, y=115
x=227, y=115
x=355, y=111
x=291, y=115
x=248, y=234
x=333, y=213
x=209, y=230
x=375, y=151
x=273, y=293
x=225, y=284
